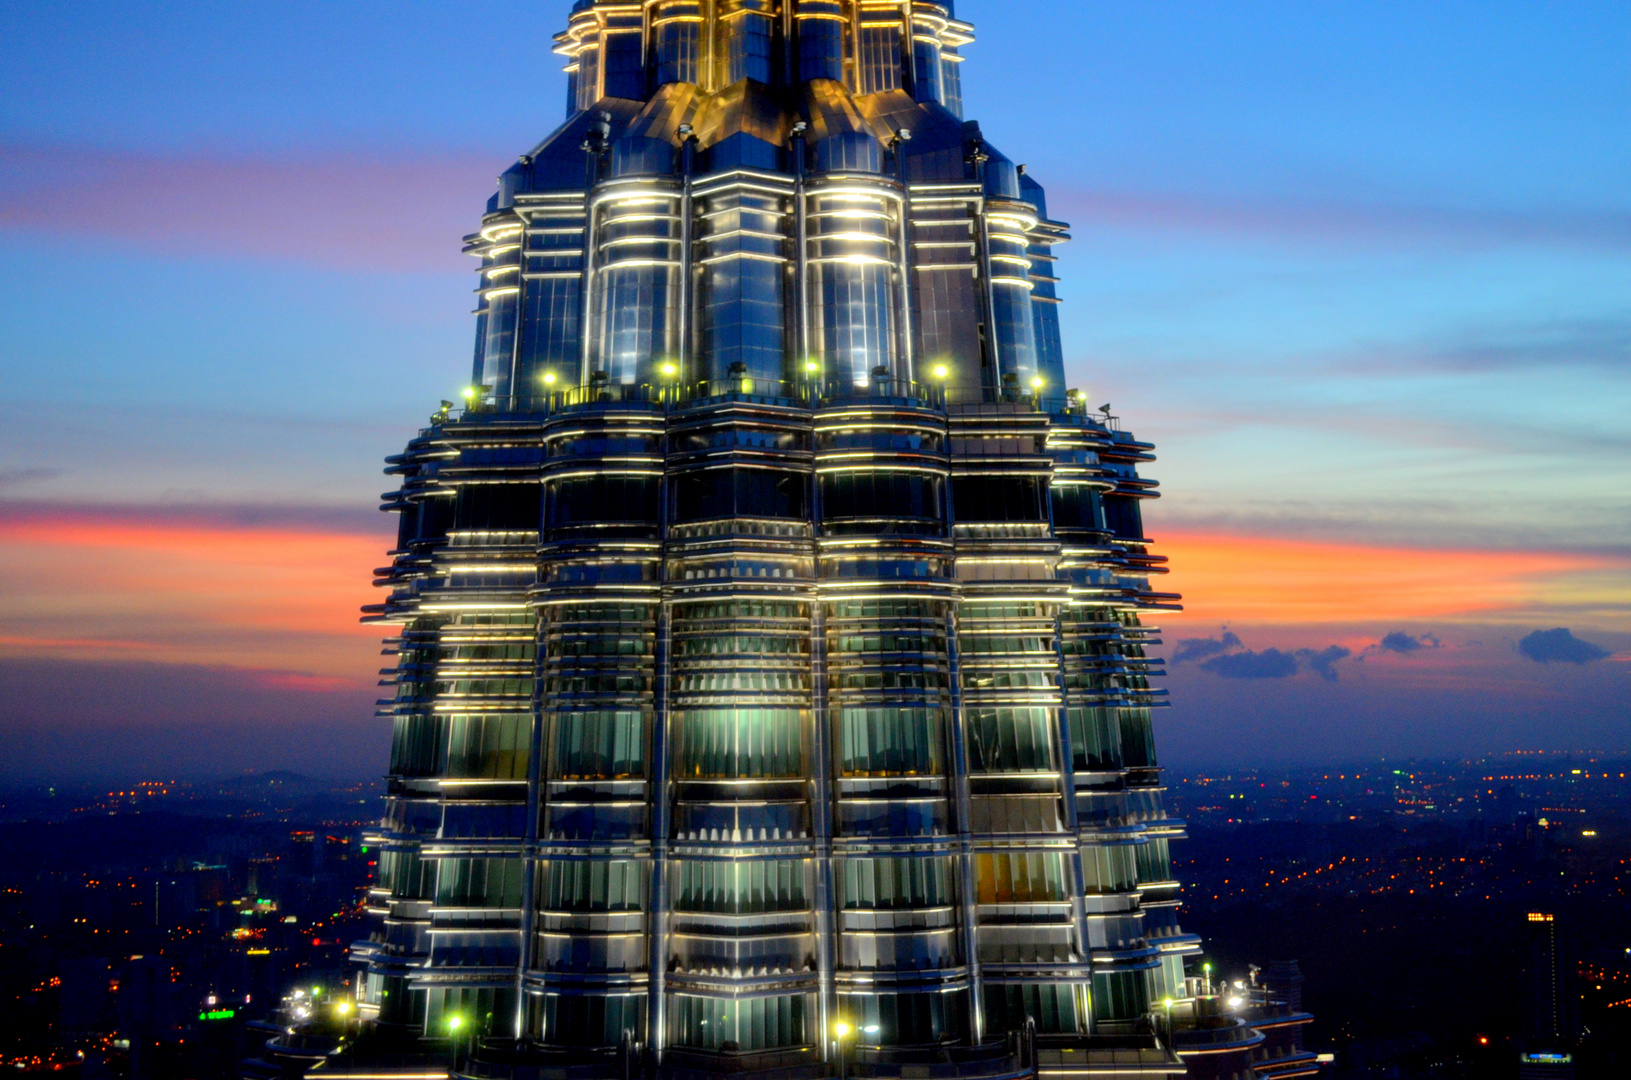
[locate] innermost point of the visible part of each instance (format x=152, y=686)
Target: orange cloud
x=1253, y=579
x=284, y=599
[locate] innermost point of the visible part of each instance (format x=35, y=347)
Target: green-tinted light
x=453, y=1022
x=218, y=1014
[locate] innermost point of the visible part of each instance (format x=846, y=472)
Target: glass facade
x=770, y=651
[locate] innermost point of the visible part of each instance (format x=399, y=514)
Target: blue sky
x=1361, y=270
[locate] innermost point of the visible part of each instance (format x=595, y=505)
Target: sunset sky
x=1362, y=272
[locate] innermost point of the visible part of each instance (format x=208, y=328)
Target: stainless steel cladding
x=771, y=693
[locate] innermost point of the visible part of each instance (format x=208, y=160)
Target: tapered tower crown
x=786, y=191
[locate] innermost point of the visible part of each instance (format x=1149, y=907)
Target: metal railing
x=668, y=396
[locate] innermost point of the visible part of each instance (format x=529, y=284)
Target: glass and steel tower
x=771, y=687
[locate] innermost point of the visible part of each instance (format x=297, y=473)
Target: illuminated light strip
x=947, y=266
x=729, y=181
x=919, y=469
x=482, y=606
x=500, y=232
x=866, y=418
x=858, y=237
x=623, y=263
x=504, y=249
x=478, y=568
x=1021, y=282
x=624, y=241
x=855, y=193
x=633, y=198
x=741, y=210
x=740, y=232
x=876, y=215
x=605, y=472
x=504, y=290
x=710, y=260
x=624, y=219
x=494, y=271
x=551, y=275
x=855, y=260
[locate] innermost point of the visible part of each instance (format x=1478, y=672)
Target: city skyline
x=1335, y=343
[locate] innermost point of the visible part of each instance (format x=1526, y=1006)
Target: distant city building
x=1551, y=1025
x=771, y=691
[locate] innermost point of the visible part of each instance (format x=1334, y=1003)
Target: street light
x=454, y=1023
x=841, y=1030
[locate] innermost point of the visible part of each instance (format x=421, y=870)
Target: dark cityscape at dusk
x=978, y=540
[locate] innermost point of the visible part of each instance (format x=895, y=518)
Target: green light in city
x=218, y=1014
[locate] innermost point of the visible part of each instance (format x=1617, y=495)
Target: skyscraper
x=771, y=686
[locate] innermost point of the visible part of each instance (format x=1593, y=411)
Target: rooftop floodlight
x=549, y=378
x=670, y=369
x=343, y=1007
x=871, y=1029
x=811, y=366
x=941, y=371
x=454, y=1022
x=1036, y=382
x=469, y=393
x=841, y=1029
x=1234, y=1002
